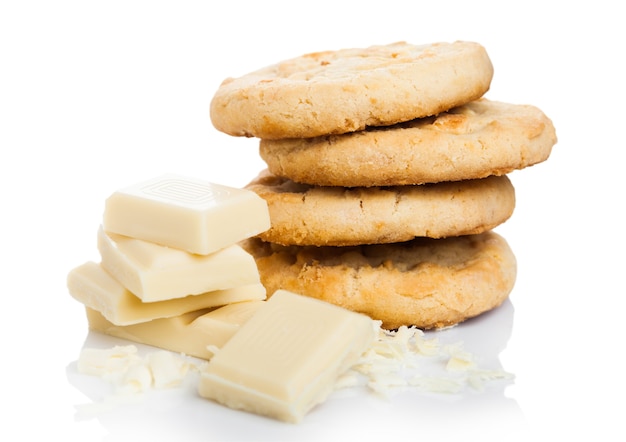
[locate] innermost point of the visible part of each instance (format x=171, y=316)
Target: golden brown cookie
x=346, y=90
x=301, y=214
x=429, y=283
x=475, y=140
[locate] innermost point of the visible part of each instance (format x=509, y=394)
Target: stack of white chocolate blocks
x=171, y=273
x=173, y=276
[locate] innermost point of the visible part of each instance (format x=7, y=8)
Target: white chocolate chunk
x=167, y=370
x=94, y=287
x=221, y=324
x=135, y=379
x=107, y=362
x=156, y=273
x=189, y=214
x=190, y=333
x=287, y=357
x=129, y=373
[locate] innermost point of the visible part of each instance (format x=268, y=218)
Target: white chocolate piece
x=184, y=213
x=190, y=333
x=157, y=273
x=167, y=370
x=91, y=285
x=128, y=372
x=287, y=357
x=221, y=324
x=109, y=362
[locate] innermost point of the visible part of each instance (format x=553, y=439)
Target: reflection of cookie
x=312, y=215
x=429, y=283
x=472, y=141
x=346, y=90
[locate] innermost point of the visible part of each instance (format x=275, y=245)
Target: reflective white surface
x=344, y=412
x=97, y=95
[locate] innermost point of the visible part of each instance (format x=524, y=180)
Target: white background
x=95, y=96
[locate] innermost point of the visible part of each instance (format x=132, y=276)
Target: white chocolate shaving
x=407, y=358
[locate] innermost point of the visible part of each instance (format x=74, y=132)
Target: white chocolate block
x=186, y=213
x=93, y=286
x=189, y=333
x=157, y=273
x=223, y=322
x=286, y=358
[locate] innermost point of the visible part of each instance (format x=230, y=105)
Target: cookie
x=475, y=140
x=428, y=283
x=301, y=214
x=347, y=90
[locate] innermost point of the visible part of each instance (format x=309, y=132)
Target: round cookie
x=346, y=90
x=428, y=283
x=301, y=214
x=475, y=140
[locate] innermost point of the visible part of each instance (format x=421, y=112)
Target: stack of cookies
x=386, y=173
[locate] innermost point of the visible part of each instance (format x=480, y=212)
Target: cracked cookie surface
x=472, y=141
x=428, y=283
x=335, y=216
x=341, y=91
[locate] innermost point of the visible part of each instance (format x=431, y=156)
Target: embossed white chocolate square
x=186, y=213
x=154, y=272
x=287, y=357
x=190, y=333
x=94, y=287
